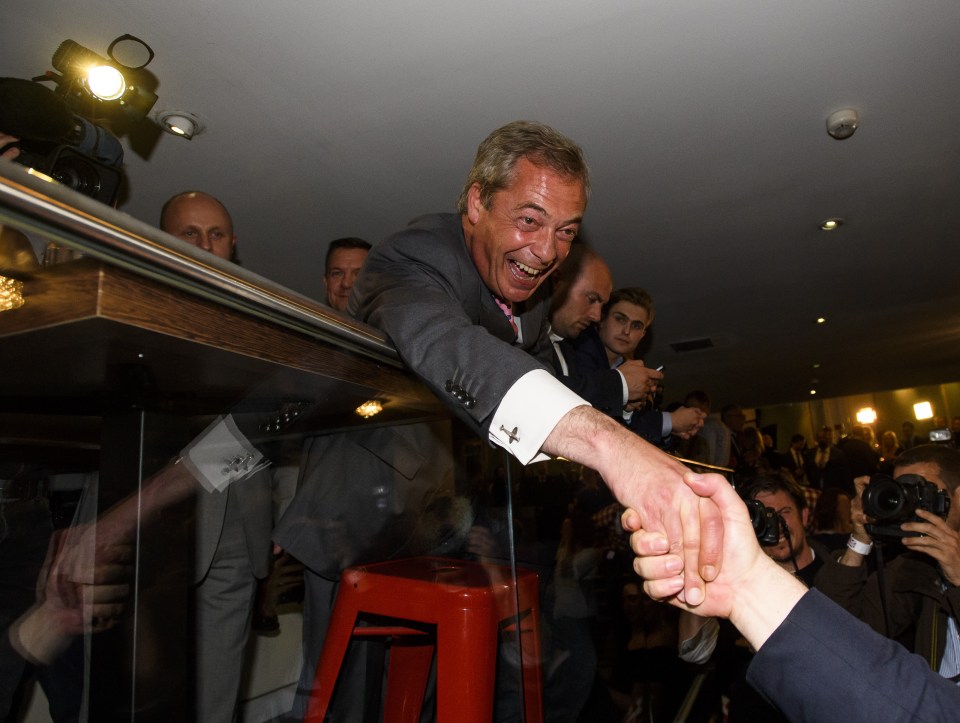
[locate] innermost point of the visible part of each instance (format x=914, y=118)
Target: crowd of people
x=518, y=329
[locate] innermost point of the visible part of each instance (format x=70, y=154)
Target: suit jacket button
x=470, y=403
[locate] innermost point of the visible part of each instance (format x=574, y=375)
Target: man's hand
x=750, y=588
x=651, y=483
x=687, y=421
x=641, y=381
x=938, y=540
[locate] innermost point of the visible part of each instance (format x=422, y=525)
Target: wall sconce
x=867, y=415
x=369, y=408
x=922, y=410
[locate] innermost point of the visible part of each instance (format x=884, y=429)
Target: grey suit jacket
x=422, y=289
x=253, y=499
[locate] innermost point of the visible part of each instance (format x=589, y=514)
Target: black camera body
x=766, y=523
x=891, y=502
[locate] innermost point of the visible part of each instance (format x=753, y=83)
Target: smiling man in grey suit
x=457, y=295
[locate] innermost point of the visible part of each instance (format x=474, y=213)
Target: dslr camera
x=766, y=522
x=891, y=502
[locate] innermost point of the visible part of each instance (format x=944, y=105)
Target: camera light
x=867, y=415
x=106, y=82
x=922, y=410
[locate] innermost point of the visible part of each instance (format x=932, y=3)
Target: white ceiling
x=703, y=121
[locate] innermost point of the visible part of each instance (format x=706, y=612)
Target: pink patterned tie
x=508, y=312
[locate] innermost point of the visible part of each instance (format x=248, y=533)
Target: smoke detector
x=843, y=123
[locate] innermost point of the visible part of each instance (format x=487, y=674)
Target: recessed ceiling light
x=821, y=320
x=816, y=365
x=179, y=123
x=812, y=392
x=831, y=224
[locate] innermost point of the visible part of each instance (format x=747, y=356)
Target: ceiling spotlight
x=843, y=123
x=813, y=392
x=179, y=123
x=831, y=224
x=821, y=320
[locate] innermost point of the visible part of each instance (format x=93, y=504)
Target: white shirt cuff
x=529, y=411
x=626, y=389
x=667, y=425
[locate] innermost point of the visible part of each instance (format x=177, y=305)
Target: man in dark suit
x=582, y=289
x=457, y=295
x=826, y=466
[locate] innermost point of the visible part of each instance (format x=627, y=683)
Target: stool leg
x=466, y=667
x=339, y=632
x=407, y=681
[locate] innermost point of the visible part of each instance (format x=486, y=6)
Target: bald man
x=233, y=546
x=200, y=219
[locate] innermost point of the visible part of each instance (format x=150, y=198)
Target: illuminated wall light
x=369, y=408
x=922, y=410
x=11, y=294
x=867, y=415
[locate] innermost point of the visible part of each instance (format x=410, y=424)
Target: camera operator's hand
x=7, y=140
x=641, y=381
x=939, y=540
x=859, y=520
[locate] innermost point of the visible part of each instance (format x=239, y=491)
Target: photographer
x=920, y=586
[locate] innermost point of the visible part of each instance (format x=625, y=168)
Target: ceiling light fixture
x=831, y=224
x=843, y=123
x=369, y=409
x=821, y=320
x=179, y=123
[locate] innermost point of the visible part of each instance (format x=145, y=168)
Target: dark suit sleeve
x=822, y=664
x=421, y=288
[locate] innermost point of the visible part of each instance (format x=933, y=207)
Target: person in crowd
x=831, y=523
x=734, y=420
x=648, y=680
x=922, y=590
x=624, y=321
x=457, y=295
x=862, y=458
x=233, y=547
x=813, y=659
x=200, y=219
x=793, y=458
x=714, y=436
x=908, y=436
x=345, y=257
x=582, y=286
x=826, y=466
x=889, y=449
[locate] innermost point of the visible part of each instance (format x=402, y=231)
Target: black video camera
x=891, y=502
x=766, y=523
x=53, y=140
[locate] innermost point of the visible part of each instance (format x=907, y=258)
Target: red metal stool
x=468, y=602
